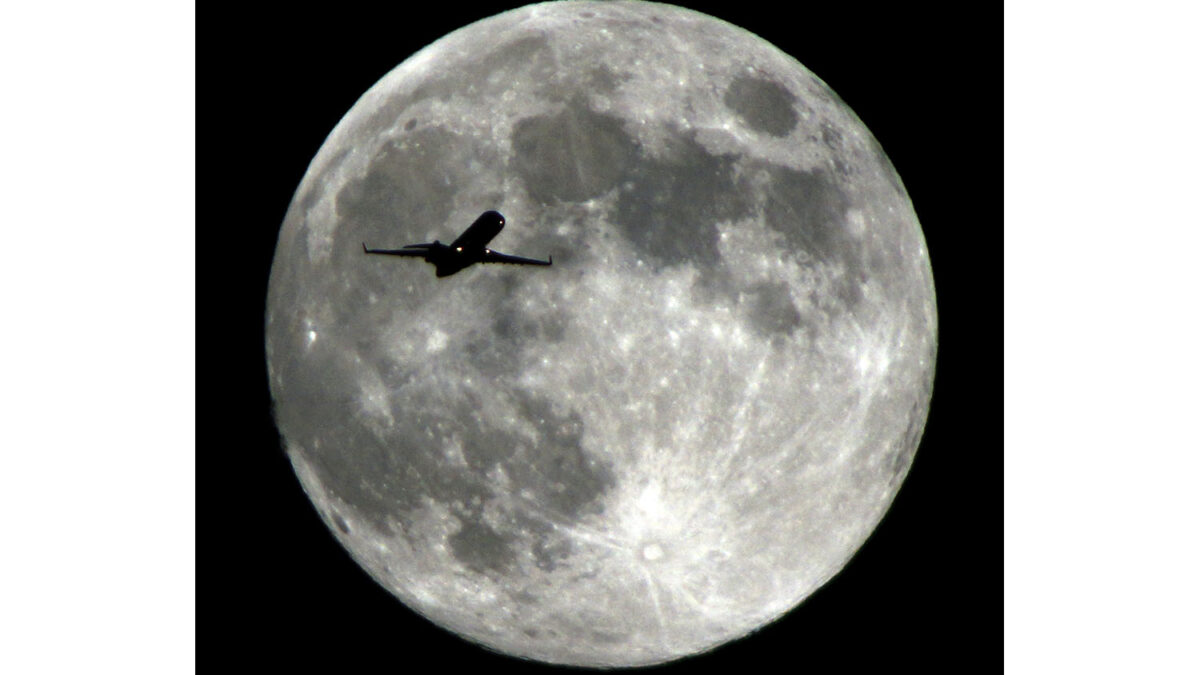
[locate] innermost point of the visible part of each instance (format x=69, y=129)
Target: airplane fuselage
x=469, y=248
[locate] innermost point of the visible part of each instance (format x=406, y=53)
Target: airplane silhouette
x=468, y=249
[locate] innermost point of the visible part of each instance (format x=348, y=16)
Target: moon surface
x=677, y=432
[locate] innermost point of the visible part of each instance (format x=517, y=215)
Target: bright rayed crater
x=678, y=431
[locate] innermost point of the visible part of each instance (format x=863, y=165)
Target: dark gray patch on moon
x=809, y=210
x=555, y=472
x=512, y=325
x=414, y=177
x=388, y=477
x=572, y=156
x=337, y=456
x=494, y=355
x=672, y=205
x=763, y=105
x=604, y=80
x=498, y=350
x=554, y=469
x=770, y=309
x=557, y=468
x=481, y=549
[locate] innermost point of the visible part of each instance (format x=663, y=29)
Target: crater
x=831, y=137
x=652, y=552
x=763, y=105
x=341, y=524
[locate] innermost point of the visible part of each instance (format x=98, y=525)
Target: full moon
x=678, y=431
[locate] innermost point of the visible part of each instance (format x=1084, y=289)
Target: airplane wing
x=412, y=250
x=490, y=256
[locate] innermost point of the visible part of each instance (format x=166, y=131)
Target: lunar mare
x=681, y=429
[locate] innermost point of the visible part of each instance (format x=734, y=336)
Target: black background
x=275, y=590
